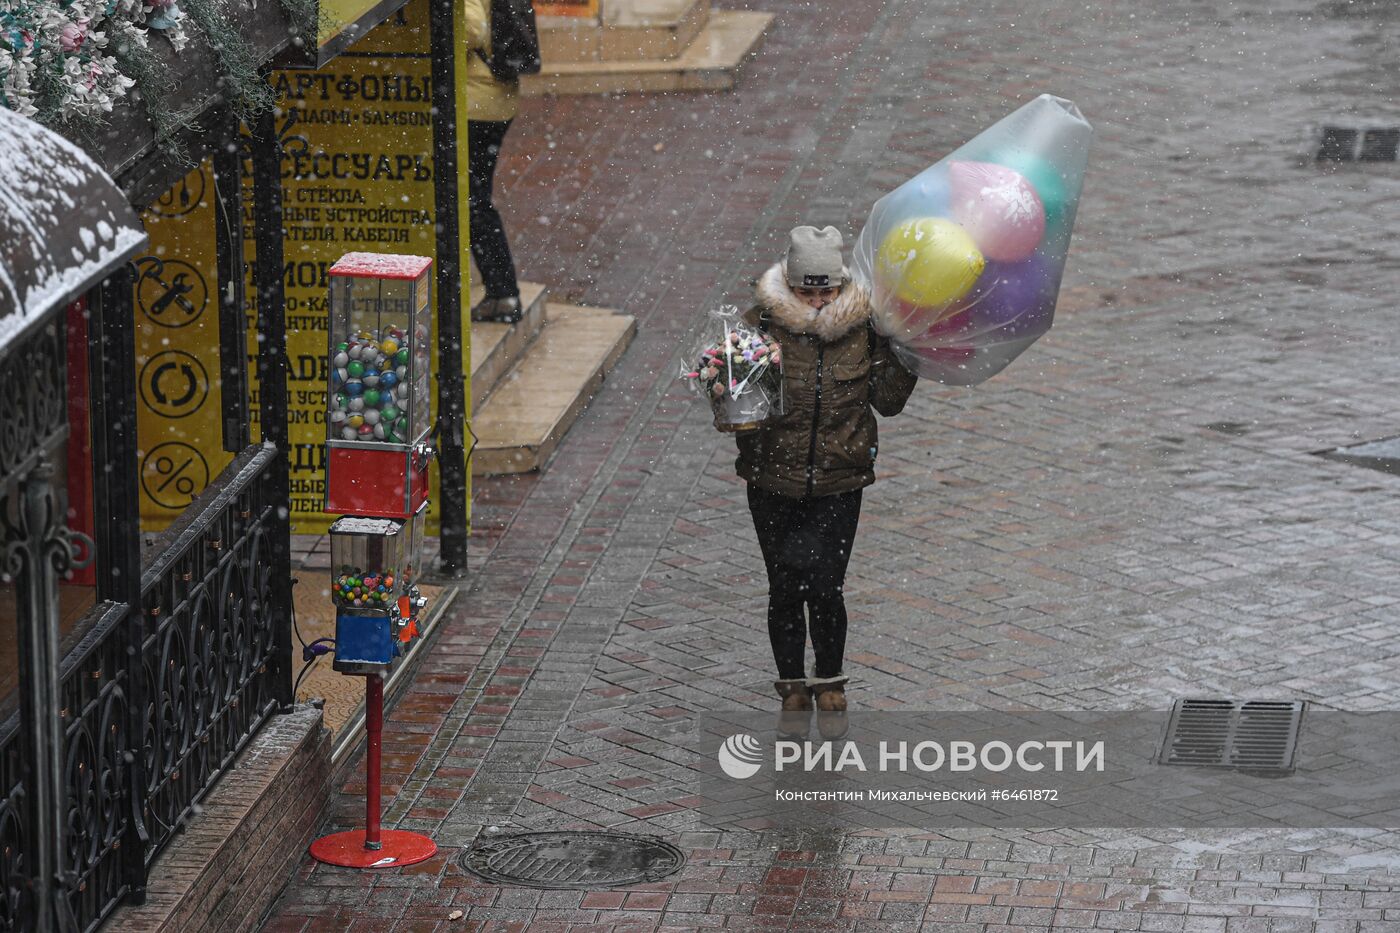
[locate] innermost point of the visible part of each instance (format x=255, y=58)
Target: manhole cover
x=572, y=859
x=1247, y=735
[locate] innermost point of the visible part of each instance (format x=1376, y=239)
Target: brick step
x=497, y=347
x=532, y=408
x=710, y=63
x=641, y=30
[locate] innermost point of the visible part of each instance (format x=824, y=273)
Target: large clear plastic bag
x=964, y=260
x=738, y=368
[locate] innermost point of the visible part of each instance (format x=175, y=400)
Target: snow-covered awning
x=64, y=224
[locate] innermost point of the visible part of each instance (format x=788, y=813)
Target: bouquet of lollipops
x=963, y=261
x=739, y=369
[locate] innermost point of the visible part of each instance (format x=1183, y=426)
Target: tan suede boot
x=796, y=717
x=831, y=709
x=831, y=698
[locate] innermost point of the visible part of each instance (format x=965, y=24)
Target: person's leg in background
x=489, y=246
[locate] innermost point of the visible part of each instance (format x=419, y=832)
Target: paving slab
x=1131, y=513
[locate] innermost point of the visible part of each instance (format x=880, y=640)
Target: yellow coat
x=487, y=98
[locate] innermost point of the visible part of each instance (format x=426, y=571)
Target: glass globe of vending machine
x=378, y=404
x=375, y=568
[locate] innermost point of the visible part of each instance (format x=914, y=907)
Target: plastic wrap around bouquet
x=964, y=260
x=739, y=369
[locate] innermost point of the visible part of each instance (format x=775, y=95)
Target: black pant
x=806, y=545
x=488, y=236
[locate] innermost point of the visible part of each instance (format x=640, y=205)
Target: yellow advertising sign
x=179, y=418
x=357, y=175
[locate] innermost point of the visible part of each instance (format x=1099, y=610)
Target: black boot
x=502, y=310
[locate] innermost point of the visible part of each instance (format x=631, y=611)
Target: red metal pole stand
x=373, y=847
x=374, y=727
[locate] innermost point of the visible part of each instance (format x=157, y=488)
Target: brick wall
x=223, y=873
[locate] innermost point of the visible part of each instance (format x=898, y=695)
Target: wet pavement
x=1132, y=513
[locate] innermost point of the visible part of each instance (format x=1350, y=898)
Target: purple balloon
x=1014, y=297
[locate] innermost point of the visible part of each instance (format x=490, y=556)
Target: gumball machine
x=377, y=479
x=374, y=587
x=377, y=420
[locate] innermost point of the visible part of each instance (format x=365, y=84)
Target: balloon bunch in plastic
x=963, y=261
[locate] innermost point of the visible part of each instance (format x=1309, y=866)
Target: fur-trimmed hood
x=850, y=309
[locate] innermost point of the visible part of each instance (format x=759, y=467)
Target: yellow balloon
x=929, y=261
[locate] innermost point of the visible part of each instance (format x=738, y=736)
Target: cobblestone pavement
x=1130, y=514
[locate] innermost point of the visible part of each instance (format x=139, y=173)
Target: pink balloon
x=908, y=321
x=999, y=209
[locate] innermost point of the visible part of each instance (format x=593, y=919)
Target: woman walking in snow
x=806, y=468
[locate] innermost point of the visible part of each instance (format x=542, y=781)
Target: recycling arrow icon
x=174, y=384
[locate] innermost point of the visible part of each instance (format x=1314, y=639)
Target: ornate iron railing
x=208, y=641
x=94, y=687
x=205, y=637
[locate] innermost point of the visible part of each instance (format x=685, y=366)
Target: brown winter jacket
x=835, y=370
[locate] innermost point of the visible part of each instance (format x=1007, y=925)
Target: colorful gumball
x=379, y=432
x=349, y=433
x=401, y=358
x=353, y=388
x=371, y=398
x=371, y=416
x=356, y=404
x=355, y=368
x=338, y=417
x=340, y=359
x=355, y=420
x=389, y=413
x=389, y=379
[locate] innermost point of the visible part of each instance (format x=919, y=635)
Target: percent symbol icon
x=184, y=485
x=174, y=473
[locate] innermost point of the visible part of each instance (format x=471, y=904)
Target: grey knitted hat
x=814, y=258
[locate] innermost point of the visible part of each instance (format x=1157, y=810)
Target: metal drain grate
x=1358, y=144
x=1247, y=735
x=572, y=859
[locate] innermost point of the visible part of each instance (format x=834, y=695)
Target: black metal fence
x=157, y=701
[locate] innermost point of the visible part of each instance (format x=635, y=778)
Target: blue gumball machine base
x=366, y=640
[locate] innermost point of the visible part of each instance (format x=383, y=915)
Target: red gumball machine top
x=378, y=389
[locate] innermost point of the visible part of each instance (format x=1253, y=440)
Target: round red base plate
x=397, y=848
